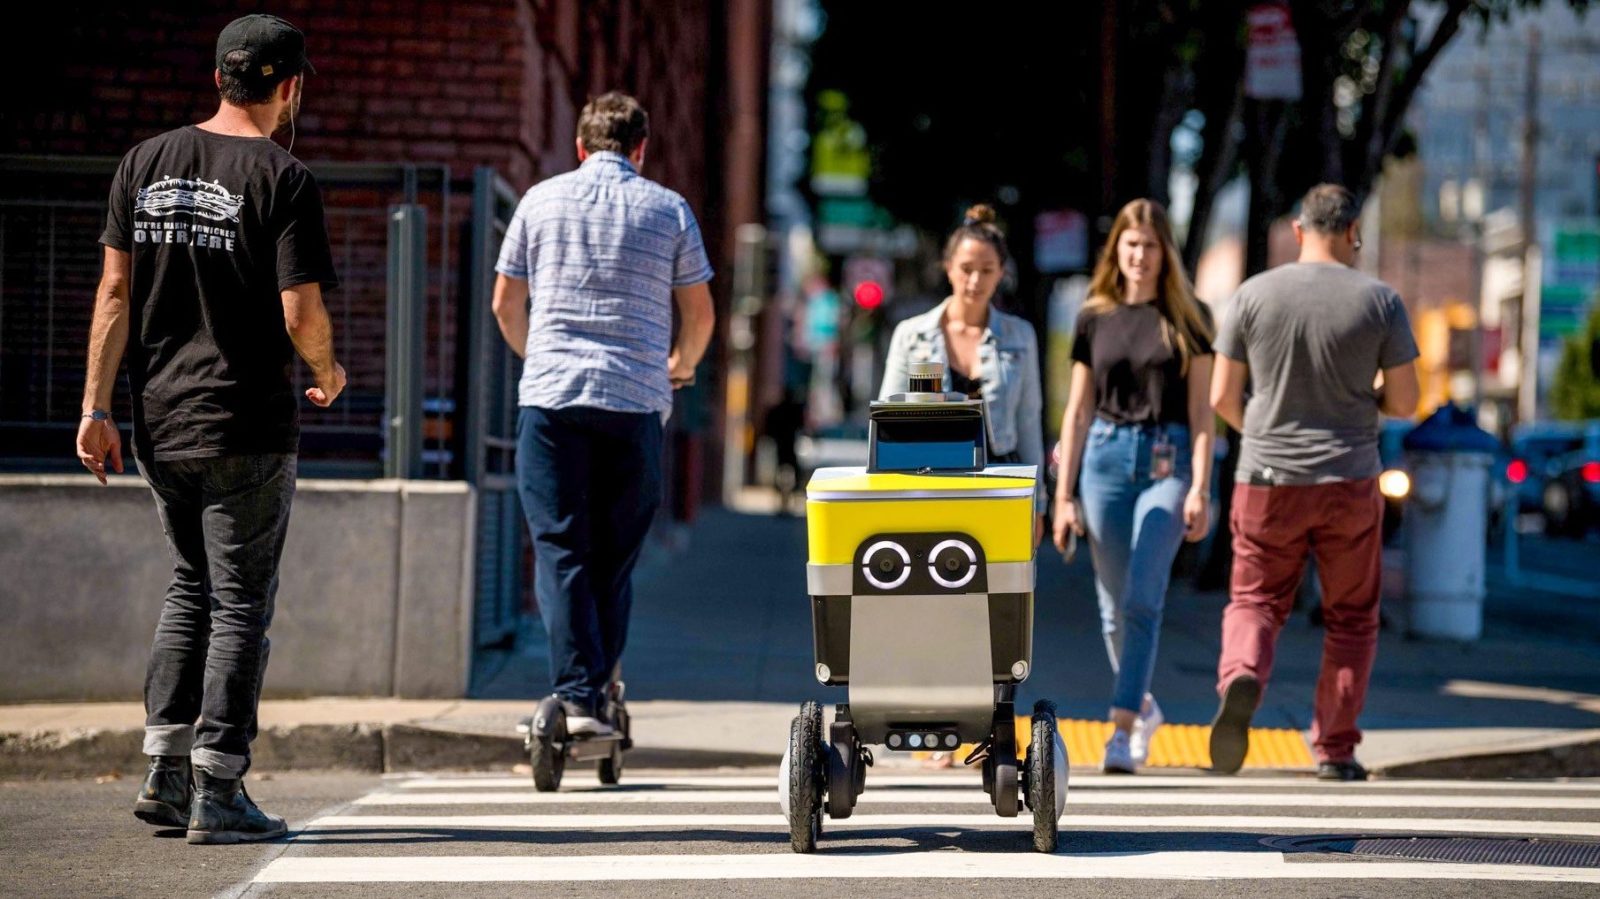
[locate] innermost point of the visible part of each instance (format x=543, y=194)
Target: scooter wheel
x=1046, y=776
x=805, y=778
x=547, y=745
x=610, y=768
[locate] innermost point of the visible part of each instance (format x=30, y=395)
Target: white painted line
x=1079, y=781
x=580, y=823
x=975, y=795
x=908, y=865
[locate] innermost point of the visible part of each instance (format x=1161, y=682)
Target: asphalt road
x=719, y=834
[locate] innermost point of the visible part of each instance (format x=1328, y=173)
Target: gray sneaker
x=1119, y=755
x=580, y=722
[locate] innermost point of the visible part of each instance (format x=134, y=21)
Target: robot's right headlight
x=952, y=564
x=886, y=565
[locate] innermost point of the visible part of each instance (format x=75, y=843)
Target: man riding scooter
x=594, y=263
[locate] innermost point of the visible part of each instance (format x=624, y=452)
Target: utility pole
x=1528, y=305
x=1483, y=173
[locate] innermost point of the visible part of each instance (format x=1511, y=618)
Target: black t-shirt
x=217, y=226
x=1138, y=374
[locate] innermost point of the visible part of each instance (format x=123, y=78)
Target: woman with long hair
x=1139, y=428
x=987, y=354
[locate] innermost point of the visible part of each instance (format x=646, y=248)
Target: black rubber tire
x=1042, y=777
x=841, y=781
x=1005, y=795
x=547, y=751
x=610, y=767
x=805, y=778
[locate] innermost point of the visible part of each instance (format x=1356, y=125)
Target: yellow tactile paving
x=1175, y=746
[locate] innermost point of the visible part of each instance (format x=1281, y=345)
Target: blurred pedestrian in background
x=216, y=257
x=1326, y=349
x=987, y=354
x=1140, y=429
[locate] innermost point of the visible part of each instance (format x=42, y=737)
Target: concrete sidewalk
x=720, y=656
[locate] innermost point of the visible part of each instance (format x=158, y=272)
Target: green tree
x=1575, y=391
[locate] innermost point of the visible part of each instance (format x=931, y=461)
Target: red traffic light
x=869, y=295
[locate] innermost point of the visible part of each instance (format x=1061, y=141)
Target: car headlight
x=1394, y=484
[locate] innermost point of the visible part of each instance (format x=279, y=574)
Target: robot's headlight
x=886, y=565
x=952, y=564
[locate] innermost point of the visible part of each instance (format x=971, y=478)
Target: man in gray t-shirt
x=1312, y=335
x=1326, y=349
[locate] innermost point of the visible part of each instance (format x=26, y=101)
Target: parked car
x=1570, y=497
x=1537, y=453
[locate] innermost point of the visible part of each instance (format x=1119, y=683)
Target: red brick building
x=437, y=89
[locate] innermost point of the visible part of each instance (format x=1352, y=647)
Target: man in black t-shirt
x=216, y=255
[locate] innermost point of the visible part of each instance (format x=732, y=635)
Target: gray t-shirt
x=1314, y=335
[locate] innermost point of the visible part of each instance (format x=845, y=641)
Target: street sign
x=1571, y=279
x=1061, y=241
x=1272, y=58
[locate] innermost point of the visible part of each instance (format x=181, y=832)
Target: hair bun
x=981, y=214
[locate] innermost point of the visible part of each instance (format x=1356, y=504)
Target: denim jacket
x=1008, y=368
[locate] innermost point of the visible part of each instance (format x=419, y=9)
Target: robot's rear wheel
x=805, y=758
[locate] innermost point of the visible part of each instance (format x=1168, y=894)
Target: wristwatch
x=99, y=415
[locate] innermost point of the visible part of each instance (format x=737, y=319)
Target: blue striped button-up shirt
x=601, y=249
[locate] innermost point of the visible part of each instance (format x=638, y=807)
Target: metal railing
x=432, y=386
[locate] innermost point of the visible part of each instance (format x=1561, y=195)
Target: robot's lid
x=855, y=482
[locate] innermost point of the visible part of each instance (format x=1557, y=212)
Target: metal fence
x=431, y=390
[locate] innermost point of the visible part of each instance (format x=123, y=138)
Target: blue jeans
x=225, y=519
x=590, y=483
x=1135, y=526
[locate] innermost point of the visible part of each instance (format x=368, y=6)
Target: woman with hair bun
x=1139, y=421
x=987, y=354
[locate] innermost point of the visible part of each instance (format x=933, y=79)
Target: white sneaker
x=1119, y=760
x=585, y=725
x=1144, y=729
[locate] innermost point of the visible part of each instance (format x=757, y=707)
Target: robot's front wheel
x=547, y=745
x=1001, y=767
x=1045, y=776
x=805, y=776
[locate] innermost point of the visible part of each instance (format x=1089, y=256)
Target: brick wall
x=461, y=84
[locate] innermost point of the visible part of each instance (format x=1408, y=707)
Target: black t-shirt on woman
x=1138, y=374
x=217, y=226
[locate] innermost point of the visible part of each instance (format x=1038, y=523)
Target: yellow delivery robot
x=921, y=578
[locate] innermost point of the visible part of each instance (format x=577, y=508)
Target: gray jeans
x=225, y=520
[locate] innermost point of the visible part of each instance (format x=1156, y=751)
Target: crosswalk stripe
x=578, y=823
x=1352, y=799
x=1079, y=781
x=919, y=865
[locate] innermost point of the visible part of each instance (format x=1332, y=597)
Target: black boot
x=224, y=813
x=164, y=798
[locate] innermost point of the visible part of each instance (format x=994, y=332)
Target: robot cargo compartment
x=1003, y=526
x=1010, y=636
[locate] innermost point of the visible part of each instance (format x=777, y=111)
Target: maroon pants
x=1274, y=528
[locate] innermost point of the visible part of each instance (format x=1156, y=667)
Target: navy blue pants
x=590, y=483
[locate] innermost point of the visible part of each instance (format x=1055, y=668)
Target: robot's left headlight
x=952, y=564
x=886, y=565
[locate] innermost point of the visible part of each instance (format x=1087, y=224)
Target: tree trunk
x=1219, y=157
x=1269, y=125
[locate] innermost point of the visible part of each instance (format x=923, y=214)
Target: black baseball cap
x=277, y=49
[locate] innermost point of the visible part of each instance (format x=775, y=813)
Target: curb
x=383, y=748
x=370, y=748
x=1568, y=756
